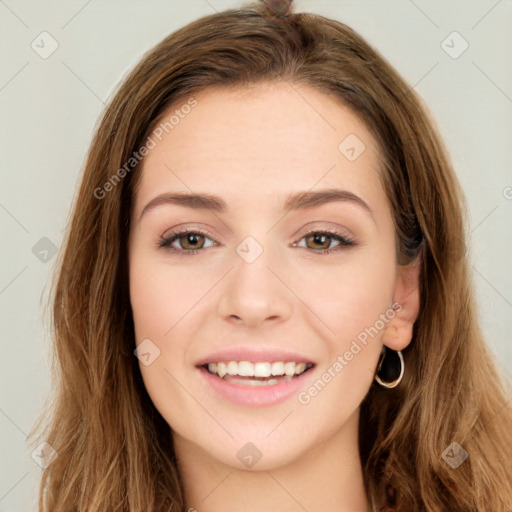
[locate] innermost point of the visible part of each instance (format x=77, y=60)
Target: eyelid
x=342, y=232
x=345, y=240
x=179, y=231
x=333, y=229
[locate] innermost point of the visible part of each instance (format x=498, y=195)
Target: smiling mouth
x=257, y=374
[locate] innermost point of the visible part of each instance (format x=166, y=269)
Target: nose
x=256, y=293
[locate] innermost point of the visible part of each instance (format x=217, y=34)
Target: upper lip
x=253, y=355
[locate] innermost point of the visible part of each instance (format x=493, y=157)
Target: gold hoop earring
x=390, y=369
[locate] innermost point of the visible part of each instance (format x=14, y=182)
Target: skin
x=254, y=147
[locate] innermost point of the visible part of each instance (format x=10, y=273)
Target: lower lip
x=255, y=396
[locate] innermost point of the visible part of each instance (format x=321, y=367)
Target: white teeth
x=260, y=369
x=232, y=368
x=245, y=369
x=299, y=368
x=278, y=368
x=289, y=369
x=221, y=369
x=250, y=382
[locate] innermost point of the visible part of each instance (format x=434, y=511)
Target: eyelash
x=165, y=242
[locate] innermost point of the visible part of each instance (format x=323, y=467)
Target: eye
x=190, y=242
x=324, y=239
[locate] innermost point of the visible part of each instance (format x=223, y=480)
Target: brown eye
x=191, y=241
x=186, y=242
x=322, y=239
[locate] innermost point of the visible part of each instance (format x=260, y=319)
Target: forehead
x=261, y=140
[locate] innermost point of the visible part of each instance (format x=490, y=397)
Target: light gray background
x=50, y=107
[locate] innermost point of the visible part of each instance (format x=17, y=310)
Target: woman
x=270, y=223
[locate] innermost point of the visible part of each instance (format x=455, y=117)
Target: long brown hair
x=114, y=448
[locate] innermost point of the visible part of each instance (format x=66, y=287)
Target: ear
x=406, y=305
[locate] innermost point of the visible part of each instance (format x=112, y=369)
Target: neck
x=326, y=477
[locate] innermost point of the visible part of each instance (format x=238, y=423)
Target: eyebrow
x=296, y=201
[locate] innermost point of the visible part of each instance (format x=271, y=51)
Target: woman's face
x=249, y=286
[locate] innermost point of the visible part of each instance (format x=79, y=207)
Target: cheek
x=149, y=302
x=353, y=301
x=349, y=294
x=159, y=300
x=161, y=303
x=160, y=296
